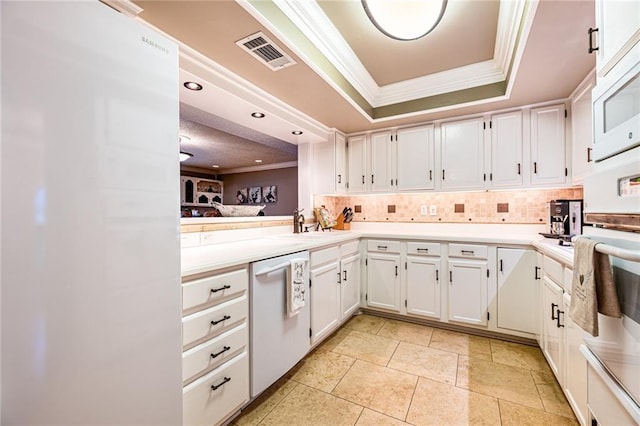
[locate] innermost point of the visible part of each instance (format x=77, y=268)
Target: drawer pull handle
x=226, y=348
x=224, y=318
x=553, y=309
x=382, y=247
x=426, y=250
x=215, y=387
x=344, y=278
x=558, y=319
x=536, y=276
x=224, y=287
x=467, y=252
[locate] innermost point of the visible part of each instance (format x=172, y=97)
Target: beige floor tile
x=379, y=388
x=373, y=418
x=501, y=381
x=441, y=404
x=365, y=323
x=518, y=415
x=323, y=370
x=406, y=332
x=308, y=406
x=518, y=355
x=553, y=398
x=461, y=343
x=265, y=403
x=367, y=347
x=426, y=362
x=332, y=341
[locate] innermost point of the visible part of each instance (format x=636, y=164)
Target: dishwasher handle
x=274, y=268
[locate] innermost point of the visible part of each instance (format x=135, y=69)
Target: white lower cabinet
x=383, y=281
x=517, y=290
x=422, y=280
x=575, y=378
x=468, y=287
x=335, y=287
x=215, y=361
x=552, y=326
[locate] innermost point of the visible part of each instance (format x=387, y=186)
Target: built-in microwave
x=616, y=109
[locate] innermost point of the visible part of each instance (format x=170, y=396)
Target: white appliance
x=278, y=342
x=616, y=108
x=90, y=254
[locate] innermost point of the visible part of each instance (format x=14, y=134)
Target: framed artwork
x=242, y=196
x=255, y=195
x=270, y=194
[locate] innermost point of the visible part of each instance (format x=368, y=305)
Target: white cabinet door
x=357, y=158
x=423, y=286
x=552, y=335
x=581, y=133
x=380, y=179
x=325, y=300
x=383, y=281
x=462, y=155
x=539, y=273
x=517, y=290
x=575, y=385
x=349, y=285
x=341, y=163
x=187, y=191
x=468, y=292
x=506, y=150
x=324, y=166
x=618, y=23
x=548, y=165
x=416, y=158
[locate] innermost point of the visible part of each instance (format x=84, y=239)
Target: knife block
x=341, y=225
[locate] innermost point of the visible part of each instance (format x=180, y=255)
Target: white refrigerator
x=89, y=218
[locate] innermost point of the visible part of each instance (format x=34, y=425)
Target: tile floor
x=377, y=371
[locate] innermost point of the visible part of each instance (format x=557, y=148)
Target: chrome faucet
x=298, y=221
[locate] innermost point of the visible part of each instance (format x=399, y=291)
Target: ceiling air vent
x=266, y=51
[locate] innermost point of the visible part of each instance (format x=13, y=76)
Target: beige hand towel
x=593, y=287
x=295, y=287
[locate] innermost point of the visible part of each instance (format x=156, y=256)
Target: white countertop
x=205, y=258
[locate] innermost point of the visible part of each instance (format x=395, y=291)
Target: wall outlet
x=433, y=210
x=423, y=210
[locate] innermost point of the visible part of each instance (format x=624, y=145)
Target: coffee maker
x=565, y=218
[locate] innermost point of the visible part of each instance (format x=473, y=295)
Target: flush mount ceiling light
x=258, y=161
x=405, y=19
x=192, y=85
x=297, y=132
x=257, y=115
x=185, y=156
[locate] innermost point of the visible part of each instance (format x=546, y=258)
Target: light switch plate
x=423, y=210
x=433, y=210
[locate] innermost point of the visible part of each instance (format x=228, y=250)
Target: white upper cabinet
x=415, y=165
x=618, y=30
x=357, y=159
x=381, y=160
x=462, y=154
x=505, y=163
x=582, y=131
x=548, y=164
x=341, y=163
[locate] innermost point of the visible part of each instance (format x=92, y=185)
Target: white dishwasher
x=278, y=341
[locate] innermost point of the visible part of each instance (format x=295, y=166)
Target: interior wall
x=285, y=179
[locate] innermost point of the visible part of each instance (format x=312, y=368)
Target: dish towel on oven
x=295, y=287
x=593, y=287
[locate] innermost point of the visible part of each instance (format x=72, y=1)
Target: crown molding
x=313, y=23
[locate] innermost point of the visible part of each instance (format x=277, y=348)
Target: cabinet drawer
x=383, y=246
x=212, y=353
x=214, y=289
x=212, y=398
x=423, y=249
x=349, y=248
x=554, y=270
x=320, y=257
x=213, y=321
x=470, y=251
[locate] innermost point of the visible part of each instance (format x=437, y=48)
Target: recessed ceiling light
x=258, y=161
x=297, y=132
x=184, y=138
x=257, y=115
x=215, y=166
x=185, y=156
x=192, y=85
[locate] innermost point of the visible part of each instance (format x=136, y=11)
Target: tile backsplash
x=526, y=206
